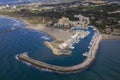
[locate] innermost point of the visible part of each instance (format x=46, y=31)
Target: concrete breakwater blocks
x=61, y=69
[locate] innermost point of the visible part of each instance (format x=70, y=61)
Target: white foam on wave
x=16, y=57
x=16, y=21
x=28, y=64
x=43, y=69
x=45, y=38
x=15, y=24
x=31, y=65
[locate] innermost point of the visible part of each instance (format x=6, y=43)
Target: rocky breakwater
x=61, y=69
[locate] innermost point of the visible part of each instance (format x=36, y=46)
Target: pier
x=67, y=46
x=70, y=69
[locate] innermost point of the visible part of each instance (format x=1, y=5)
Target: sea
x=16, y=2
x=16, y=39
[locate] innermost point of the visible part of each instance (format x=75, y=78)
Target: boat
x=85, y=54
x=89, y=47
x=72, y=47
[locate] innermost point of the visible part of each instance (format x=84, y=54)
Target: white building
x=73, y=39
x=83, y=21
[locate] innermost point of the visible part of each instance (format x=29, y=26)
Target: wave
x=9, y=30
x=29, y=64
x=16, y=57
x=45, y=38
x=13, y=24
x=43, y=69
x=13, y=21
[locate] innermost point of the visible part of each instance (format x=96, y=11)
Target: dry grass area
x=56, y=43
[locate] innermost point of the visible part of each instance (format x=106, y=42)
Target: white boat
x=90, y=43
x=77, y=41
x=89, y=47
x=85, y=54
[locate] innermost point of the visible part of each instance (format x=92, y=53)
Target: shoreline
x=61, y=69
x=110, y=37
x=43, y=28
x=54, y=33
x=17, y=18
x=104, y=36
x=90, y=57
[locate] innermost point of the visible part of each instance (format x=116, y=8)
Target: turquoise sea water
x=18, y=40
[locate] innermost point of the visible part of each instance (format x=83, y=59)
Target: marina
x=90, y=57
x=68, y=44
x=57, y=40
x=12, y=66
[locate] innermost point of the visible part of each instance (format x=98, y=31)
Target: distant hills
x=29, y=1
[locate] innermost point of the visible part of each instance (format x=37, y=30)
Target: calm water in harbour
x=106, y=66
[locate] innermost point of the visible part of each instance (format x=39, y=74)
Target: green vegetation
x=100, y=16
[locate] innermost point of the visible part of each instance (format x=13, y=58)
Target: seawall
x=61, y=69
x=110, y=37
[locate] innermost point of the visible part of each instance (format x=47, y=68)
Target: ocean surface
x=15, y=39
x=14, y=2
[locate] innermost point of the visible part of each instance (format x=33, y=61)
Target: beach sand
x=58, y=34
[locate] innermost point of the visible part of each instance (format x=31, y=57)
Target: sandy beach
x=63, y=35
x=58, y=34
